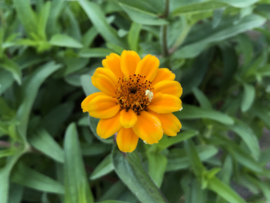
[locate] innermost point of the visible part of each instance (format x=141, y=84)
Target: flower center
x=134, y=92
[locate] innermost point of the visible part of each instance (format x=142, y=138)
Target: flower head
x=136, y=100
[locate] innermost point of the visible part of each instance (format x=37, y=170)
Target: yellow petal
x=148, y=128
x=127, y=140
x=103, y=106
x=165, y=103
x=112, y=62
x=128, y=118
x=108, y=127
x=163, y=74
x=86, y=101
x=105, y=80
x=170, y=123
x=148, y=67
x=129, y=61
x=169, y=87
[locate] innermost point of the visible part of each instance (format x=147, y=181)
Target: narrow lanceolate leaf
x=76, y=183
x=225, y=30
x=178, y=158
x=94, y=52
x=26, y=16
x=133, y=36
x=194, y=159
x=29, y=91
x=128, y=167
x=26, y=176
x=142, y=16
x=51, y=148
x=156, y=167
x=224, y=191
x=97, y=17
x=202, y=99
x=65, y=41
x=166, y=142
x=193, y=190
x=12, y=67
x=193, y=112
x=248, y=136
x=248, y=97
x=105, y=167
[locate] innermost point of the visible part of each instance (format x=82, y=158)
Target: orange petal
x=163, y=74
x=148, y=67
x=129, y=61
x=169, y=87
x=170, y=123
x=148, y=128
x=127, y=140
x=86, y=101
x=165, y=103
x=112, y=62
x=128, y=119
x=103, y=106
x=108, y=127
x=105, y=80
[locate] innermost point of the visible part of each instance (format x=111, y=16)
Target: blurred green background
x=49, y=149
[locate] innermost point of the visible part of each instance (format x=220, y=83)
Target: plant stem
x=164, y=34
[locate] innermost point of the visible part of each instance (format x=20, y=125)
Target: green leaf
x=64, y=41
x=87, y=85
x=248, y=136
x=178, y=158
x=43, y=19
x=129, y=169
x=192, y=190
x=95, y=148
x=156, y=167
x=193, y=112
x=133, y=36
x=225, y=30
x=105, y=167
x=29, y=91
x=76, y=183
x=26, y=16
x=248, y=97
x=224, y=191
x=54, y=120
x=6, y=80
x=198, y=8
x=97, y=17
x=239, y=3
x=26, y=176
x=112, y=201
x=202, y=99
x=260, y=112
x=93, y=122
x=12, y=67
x=166, y=142
x=89, y=37
x=194, y=159
x=117, y=49
x=94, y=52
x=43, y=142
x=6, y=113
x=239, y=154
x=142, y=16
x=4, y=176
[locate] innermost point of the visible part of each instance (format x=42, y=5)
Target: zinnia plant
x=136, y=100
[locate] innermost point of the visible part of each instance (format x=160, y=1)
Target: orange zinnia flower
x=136, y=100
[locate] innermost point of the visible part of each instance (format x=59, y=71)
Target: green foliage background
x=219, y=51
